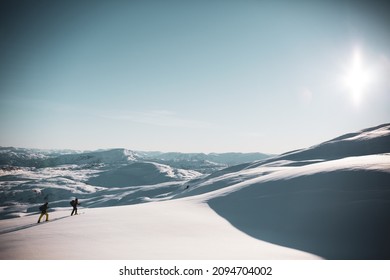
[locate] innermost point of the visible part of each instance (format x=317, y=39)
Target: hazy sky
x=191, y=76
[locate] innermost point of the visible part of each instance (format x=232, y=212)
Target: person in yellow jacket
x=43, y=209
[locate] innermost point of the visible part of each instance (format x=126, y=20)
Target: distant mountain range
x=100, y=178
x=204, y=163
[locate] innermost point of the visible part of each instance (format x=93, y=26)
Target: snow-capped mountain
x=329, y=201
x=20, y=157
x=30, y=176
x=49, y=158
x=201, y=161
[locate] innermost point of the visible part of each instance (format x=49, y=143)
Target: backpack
x=43, y=208
x=72, y=203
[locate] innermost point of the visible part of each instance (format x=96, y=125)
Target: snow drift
x=332, y=200
x=336, y=209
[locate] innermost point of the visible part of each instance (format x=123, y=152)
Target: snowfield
x=336, y=209
x=180, y=229
x=329, y=201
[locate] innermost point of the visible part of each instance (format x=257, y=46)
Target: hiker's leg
x=40, y=217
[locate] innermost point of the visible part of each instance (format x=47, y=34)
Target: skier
x=74, y=203
x=43, y=209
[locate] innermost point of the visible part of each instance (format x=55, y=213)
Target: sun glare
x=358, y=77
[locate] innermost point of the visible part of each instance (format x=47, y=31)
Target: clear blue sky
x=191, y=76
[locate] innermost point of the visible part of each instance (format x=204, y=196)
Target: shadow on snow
x=22, y=227
x=335, y=215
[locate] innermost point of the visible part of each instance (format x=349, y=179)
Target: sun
x=357, y=77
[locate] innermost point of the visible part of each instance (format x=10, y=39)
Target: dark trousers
x=74, y=211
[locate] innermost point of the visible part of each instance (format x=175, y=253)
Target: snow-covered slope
x=20, y=157
x=141, y=173
x=334, y=205
x=160, y=230
x=29, y=177
x=10, y=156
x=204, y=163
x=337, y=209
x=370, y=141
x=113, y=156
x=331, y=201
x=24, y=189
x=374, y=140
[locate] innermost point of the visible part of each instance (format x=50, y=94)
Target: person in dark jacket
x=74, y=203
x=43, y=209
